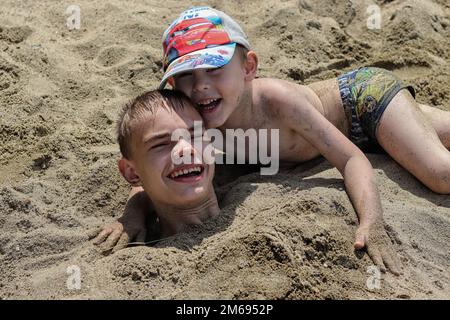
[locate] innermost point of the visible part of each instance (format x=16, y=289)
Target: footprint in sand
x=111, y=56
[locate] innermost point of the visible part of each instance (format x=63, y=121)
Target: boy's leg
x=440, y=120
x=408, y=136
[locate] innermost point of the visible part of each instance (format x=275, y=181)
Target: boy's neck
x=173, y=220
x=244, y=114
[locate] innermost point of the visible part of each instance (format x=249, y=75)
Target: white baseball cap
x=200, y=38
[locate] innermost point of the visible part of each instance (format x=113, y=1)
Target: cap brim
x=208, y=58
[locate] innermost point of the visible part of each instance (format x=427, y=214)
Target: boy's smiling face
x=152, y=149
x=216, y=92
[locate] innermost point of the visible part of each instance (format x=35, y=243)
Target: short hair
x=136, y=110
x=242, y=51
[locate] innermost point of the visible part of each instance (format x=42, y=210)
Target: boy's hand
x=117, y=235
x=112, y=237
x=378, y=245
x=130, y=227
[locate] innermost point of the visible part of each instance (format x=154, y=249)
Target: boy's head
x=207, y=56
x=144, y=132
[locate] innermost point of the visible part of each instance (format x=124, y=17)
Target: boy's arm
x=131, y=226
x=299, y=111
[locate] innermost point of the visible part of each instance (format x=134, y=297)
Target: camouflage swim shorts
x=365, y=93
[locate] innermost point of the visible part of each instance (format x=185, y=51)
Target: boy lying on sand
x=207, y=56
x=144, y=133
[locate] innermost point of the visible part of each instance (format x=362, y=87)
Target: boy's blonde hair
x=242, y=51
x=141, y=107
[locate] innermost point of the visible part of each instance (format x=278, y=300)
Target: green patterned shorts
x=365, y=94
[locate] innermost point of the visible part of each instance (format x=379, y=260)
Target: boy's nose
x=200, y=81
x=184, y=149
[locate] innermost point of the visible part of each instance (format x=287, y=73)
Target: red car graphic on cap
x=192, y=35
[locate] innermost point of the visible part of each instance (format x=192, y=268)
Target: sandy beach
x=288, y=236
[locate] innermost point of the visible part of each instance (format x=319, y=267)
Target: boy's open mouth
x=208, y=105
x=189, y=173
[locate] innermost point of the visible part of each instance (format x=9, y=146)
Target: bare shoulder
x=284, y=99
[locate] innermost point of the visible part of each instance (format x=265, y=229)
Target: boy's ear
x=129, y=173
x=251, y=65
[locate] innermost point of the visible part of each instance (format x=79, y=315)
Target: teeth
x=185, y=171
x=207, y=101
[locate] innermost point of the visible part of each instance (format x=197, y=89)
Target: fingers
x=360, y=240
x=376, y=257
x=92, y=233
x=390, y=264
x=391, y=261
x=112, y=240
x=379, y=250
x=122, y=243
x=397, y=262
x=102, y=236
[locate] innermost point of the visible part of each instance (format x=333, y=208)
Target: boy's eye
x=214, y=70
x=159, y=145
x=184, y=75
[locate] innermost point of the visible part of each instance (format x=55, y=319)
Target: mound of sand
x=288, y=236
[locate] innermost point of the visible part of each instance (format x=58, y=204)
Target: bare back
x=293, y=148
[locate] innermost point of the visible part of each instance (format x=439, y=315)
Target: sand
x=283, y=237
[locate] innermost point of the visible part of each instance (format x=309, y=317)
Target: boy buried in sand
x=144, y=131
x=207, y=56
